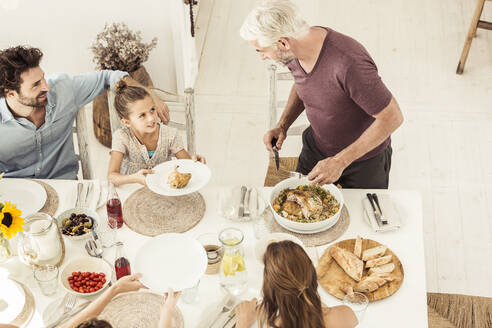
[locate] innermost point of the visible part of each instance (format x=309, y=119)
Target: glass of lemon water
x=233, y=273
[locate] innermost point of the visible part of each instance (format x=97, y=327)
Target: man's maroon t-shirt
x=341, y=93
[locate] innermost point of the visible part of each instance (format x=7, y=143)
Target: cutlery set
x=378, y=213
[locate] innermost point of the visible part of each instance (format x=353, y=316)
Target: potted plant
x=118, y=48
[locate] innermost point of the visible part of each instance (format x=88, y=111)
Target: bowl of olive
x=77, y=223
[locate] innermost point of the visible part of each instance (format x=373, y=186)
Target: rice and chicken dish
x=306, y=204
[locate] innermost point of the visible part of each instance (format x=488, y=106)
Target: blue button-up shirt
x=47, y=152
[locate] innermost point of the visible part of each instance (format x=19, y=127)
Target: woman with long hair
x=290, y=295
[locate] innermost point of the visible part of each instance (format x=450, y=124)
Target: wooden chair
x=472, y=32
x=286, y=163
x=80, y=131
x=177, y=104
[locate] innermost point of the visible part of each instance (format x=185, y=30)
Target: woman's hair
x=126, y=95
x=95, y=323
x=272, y=20
x=290, y=296
x=13, y=62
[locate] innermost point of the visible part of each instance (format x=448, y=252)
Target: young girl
x=290, y=294
x=142, y=142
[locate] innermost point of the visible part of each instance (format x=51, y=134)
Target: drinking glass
x=358, y=303
x=47, y=278
x=189, y=295
x=28, y=249
x=225, y=203
x=210, y=242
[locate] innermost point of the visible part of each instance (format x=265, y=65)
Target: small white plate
x=200, y=176
x=171, y=260
x=28, y=196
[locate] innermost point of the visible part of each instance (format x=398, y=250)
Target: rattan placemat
x=23, y=319
x=315, y=239
x=52, y=200
x=151, y=214
x=138, y=310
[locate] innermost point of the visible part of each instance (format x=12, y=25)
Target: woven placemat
x=315, y=239
x=138, y=310
x=23, y=319
x=151, y=214
x=52, y=199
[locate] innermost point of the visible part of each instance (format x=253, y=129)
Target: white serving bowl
x=78, y=210
x=304, y=227
x=84, y=264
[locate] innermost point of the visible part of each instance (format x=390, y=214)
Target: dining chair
x=177, y=104
x=81, y=135
x=286, y=163
x=475, y=24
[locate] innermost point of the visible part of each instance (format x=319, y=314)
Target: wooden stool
x=472, y=31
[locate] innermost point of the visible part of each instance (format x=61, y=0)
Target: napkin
x=213, y=312
x=389, y=212
x=54, y=310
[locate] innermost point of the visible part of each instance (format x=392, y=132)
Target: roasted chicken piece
x=292, y=208
x=178, y=180
x=311, y=204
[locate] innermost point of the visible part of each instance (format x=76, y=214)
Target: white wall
x=65, y=29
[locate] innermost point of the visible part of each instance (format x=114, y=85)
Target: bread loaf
x=350, y=263
x=358, y=247
x=378, y=261
x=373, y=253
x=386, y=268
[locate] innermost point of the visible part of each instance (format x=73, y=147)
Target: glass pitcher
x=40, y=243
x=233, y=273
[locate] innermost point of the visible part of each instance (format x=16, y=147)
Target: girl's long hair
x=290, y=296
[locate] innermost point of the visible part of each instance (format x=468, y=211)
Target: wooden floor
x=444, y=148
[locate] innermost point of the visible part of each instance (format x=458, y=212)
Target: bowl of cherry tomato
x=85, y=276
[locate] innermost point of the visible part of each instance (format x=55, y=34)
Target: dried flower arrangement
x=119, y=48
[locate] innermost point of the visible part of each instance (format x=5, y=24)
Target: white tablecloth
x=406, y=308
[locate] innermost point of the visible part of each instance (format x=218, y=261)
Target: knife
x=376, y=200
x=275, y=152
x=376, y=214
x=246, y=202
x=241, y=203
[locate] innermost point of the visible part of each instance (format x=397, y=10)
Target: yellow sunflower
x=10, y=220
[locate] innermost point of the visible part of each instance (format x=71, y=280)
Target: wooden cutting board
x=331, y=276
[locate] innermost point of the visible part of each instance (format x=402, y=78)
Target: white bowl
x=262, y=244
x=84, y=264
x=304, y=227
x=78, y=210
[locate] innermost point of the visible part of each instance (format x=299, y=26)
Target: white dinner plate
x=157, y=182
x=171, y=260
x=28, y=196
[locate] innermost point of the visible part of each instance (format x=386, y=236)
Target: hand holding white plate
x=171, y=261
x=157, y=182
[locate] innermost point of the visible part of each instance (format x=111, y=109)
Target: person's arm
x=340, y=316
x=167, y=309
x=387, y=121
x=117, y=178
x=161, y=107
x=292, y=110
x=246, y=313
x=123, y=285
x=183, y=154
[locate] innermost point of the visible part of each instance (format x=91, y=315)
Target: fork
x=226, y=308
x=298, y=175
x=69, y=305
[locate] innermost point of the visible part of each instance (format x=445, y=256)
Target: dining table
x=406, y=308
